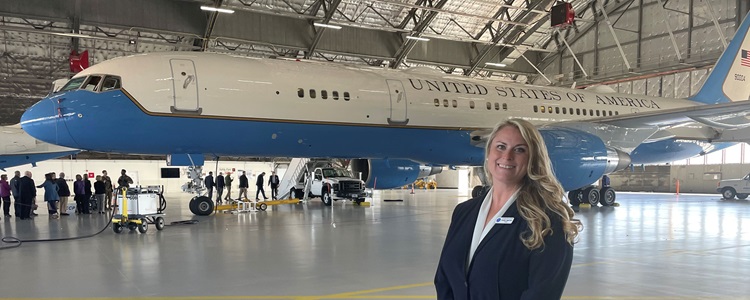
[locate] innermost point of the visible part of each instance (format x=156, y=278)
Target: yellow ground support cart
x=142, y=207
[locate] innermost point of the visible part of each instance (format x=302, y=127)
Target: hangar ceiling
x=37, y=36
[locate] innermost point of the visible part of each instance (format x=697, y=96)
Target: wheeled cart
x=142, y=207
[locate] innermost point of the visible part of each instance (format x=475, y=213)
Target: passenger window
x=471, y=104
x=536, y=109
x=445, y=102
x=591, y=112
x=318, y=175
x=324, y=94
x=73, y=84
x=610, y=113
x=437, y=102
x=301, y=92
x=544, y=109
x=335, y=95
x=617, y=113
x=549, y=109
x=557, y=109
x=597, y=112
x=455, y=103
x=312, y=93
x=92, y=83
x=505, y=106
x=565, y=112
x=346, y=96
x=578, y=111
x=497, y=106
x=489, y=106
x=110, y=83
x=584, y=112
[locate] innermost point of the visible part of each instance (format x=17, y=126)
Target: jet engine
x=390, y=173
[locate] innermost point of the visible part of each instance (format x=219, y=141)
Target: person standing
x=219, y=186
x=14, y=191
x=108, y=188
x=124, y=181
x=209, y=182
x=273, y=181
x=244, y=184
x=99, y=191
x=79, y=189
x=516, y=240
x=26, y=195
x=50, y=194
x=5, y=194
x=228, y=184
x=259, y=185
x=87, y=194
x=64, y=193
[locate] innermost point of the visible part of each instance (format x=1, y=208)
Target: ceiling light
x=327, y=25
x=495, y=64
x=417, y=38
x=221, y=10
x=76, y=35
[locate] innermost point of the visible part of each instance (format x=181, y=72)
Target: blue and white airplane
x=18, y=148
x=391, y=121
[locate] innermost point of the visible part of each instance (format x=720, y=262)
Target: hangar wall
x=693, y=178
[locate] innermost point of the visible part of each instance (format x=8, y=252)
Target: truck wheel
x=203, y=206
x=326, y=197
x=728, y=193
x=574, y=197
x=742, y=196
x=607, y=196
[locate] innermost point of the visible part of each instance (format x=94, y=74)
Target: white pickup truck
x=331, y=184
x=729, y=188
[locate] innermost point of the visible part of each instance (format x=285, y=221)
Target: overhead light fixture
x=495, y=64
x=221, y=10
x=76, y=35
x=416, y=38
x=327, y=25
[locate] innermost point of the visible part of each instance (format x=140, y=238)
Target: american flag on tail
x=745, y=58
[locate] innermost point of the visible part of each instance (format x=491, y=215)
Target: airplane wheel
x=204, y=206
x=591, y=195
x=116, y=227
x=143, y=227
x=159, y=223
x=477, y=191
x=194, y=205
x=728, y=193
x=608, y=196
x=326, y=197
x=575, y=197
x=742, y=196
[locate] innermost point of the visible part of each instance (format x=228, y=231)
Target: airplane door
x=398, y=103
x=184, y=86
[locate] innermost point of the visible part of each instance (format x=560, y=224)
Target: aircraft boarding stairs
x=297, y=169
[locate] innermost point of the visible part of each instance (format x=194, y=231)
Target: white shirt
x=480, y=231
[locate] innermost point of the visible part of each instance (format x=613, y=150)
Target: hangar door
x=184, y=85
x=398, y=103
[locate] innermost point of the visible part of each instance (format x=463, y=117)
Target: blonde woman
x=516, y=241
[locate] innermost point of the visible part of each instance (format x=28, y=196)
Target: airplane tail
x=730, y=78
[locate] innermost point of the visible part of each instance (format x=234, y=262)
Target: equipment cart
x=143, y=206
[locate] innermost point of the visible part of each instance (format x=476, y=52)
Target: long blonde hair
x=540, y=191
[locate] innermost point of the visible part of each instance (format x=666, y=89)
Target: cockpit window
x=110, y=83
x=92, y=83
x=73, y=84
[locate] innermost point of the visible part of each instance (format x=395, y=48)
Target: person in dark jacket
x=87, y=194
x=516, y=240
x=14, y=191
x=259, y=185
x=79, y=189
x=273, y=181
x=244, y=184
x=50, y=194
x=64, y=193
x=99, y=191
x=228, y=185
x=209, y=182
x=219, y=186
x=124, y=180
x=26, y=195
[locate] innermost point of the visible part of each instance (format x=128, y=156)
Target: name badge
x=504, y=220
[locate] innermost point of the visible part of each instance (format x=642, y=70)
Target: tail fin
x=730, y=78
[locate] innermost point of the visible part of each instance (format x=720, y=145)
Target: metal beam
x=409, y=44
x=329, y=10
x=210, y=25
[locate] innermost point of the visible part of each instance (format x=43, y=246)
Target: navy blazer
x=502, y=268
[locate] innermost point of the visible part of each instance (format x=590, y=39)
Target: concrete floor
x=654, y=246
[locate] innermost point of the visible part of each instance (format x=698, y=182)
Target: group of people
x=225, y=182
x=57, y=193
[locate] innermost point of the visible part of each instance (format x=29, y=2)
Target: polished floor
x=654, y=246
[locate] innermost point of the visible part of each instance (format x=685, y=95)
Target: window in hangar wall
x=736, y=154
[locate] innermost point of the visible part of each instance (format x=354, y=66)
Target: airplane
x=387, y=121
x=18, y=148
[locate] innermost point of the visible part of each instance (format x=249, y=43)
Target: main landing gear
x=592, y=195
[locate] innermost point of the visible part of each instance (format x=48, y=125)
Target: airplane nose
x=44, y=122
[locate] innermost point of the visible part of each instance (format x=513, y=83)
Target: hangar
x=678, y=240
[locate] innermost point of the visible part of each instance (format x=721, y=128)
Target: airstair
x=292, y=176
